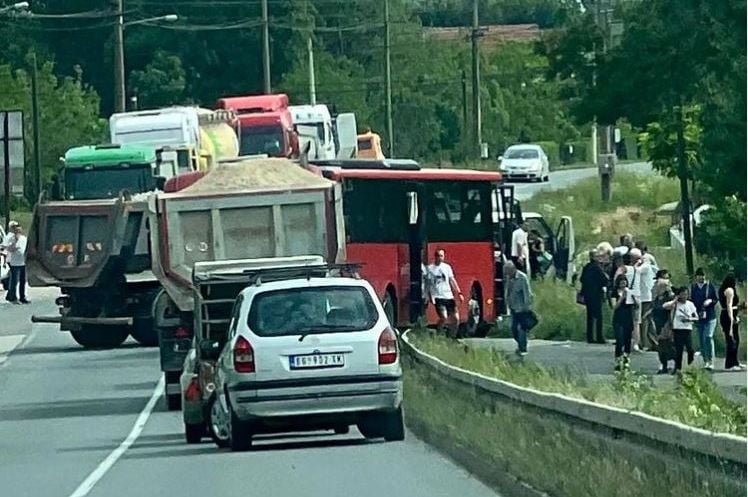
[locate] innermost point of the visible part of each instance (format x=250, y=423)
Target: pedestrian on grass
x=684, y=315
x=15, y=245
x=594, y=282
x=520, y=247
x=537, y=250
x=442, y=287
x=519, y=299
x=623, y=322
x=662, y=294
x=729, y=321
x=704, y=296
x=617, y=268
x=626, y=243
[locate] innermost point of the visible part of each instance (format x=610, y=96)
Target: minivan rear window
x=303, y=311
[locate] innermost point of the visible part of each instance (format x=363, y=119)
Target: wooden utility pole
x=312, y=82
x=38, y=180
x=685, y=201
x=388, y=82
x=266, y=47
x=475, y=34
x=119, y=58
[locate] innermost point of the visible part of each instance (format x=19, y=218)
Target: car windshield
x=302, y=311
x=522, y=153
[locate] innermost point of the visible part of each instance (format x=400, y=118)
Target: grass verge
x=694, y=401
x=547, y=453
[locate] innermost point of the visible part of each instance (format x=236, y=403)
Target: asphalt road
x=76, y=423
x=567, y=177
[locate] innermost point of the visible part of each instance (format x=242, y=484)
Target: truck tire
x=173, y=400
x=100, y=337
x=145, y=333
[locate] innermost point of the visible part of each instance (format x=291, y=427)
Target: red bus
x=397, y=214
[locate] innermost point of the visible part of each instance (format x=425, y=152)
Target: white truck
x=240, y=211
x=326, y=137
x=186, y=138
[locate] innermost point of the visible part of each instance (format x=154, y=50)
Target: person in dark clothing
x=663, y=294
x=594, y=282
x=729, y=321
x=623, y=322
x=704, y=297
x=537, y=248
x=617, y=268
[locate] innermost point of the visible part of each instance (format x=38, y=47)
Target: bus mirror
x=412, y=208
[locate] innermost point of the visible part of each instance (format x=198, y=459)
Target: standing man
x=633, y=296
x=647, y=273
x=442, y=287
x=594, y=282
x=519, y=300
x=15, y=245
x=704, y=297
x=520, y=247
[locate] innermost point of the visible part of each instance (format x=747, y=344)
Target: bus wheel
x=390, y=307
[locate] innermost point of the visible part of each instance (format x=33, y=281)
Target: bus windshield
x=262, y=140
x=95, y=183
x=376, y=210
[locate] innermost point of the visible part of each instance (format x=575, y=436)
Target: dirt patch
x=622, y=220
x=257, y=174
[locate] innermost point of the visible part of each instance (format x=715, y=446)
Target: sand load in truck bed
x=257, y=174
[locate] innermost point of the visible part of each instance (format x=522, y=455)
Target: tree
x=68, y=114
x=161, y=84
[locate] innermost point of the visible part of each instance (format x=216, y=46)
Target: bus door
x=507, y=214
x=415, y=196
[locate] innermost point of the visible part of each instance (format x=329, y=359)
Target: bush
x=552, y=151
x=581, y=152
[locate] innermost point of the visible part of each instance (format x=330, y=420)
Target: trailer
x=242, y=210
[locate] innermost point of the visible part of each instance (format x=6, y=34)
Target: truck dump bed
x=246, y=209
x=73, y=243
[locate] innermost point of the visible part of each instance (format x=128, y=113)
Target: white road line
x=8, y=344
x=105, y=465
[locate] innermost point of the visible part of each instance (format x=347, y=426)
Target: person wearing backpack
x=705, y=298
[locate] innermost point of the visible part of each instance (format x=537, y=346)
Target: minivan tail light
x=244, y=356
x=387, y=347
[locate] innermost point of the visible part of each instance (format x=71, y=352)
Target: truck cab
x=266, y=124
x=314, y=123
x=103, y=171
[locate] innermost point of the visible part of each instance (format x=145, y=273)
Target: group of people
x=649, y=313
x=528, y=252
x=13, y=254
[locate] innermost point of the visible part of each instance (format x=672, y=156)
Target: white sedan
x=525, y=162
x=308, y=354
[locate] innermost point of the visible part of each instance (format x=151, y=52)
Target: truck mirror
x=160, y=182
x=210, y=349
x=412, y=208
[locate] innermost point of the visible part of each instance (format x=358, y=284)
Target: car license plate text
x=311, y=361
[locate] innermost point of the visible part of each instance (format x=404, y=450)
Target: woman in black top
x=623, y=322
x=729, y=321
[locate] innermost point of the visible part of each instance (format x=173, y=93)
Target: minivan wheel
x=217, y=423
x=393, y=426
x=240, y=432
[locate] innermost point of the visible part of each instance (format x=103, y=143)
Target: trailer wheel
x=100, y=337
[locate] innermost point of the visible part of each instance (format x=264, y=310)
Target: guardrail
x=723, y=446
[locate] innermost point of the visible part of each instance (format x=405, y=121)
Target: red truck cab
x=266, y=124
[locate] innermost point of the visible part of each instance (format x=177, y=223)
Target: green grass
x=23, y=217
x=549, y=453
x=695, y=401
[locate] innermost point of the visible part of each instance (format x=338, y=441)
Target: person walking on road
x=594, y=282
x=442, y=287
x=15, y=245
x=684, y=315
x=623, y=322
x=520, y=247
x=662, y=318
x=519, y=299
x=704, y=296
x=632, y=262
x=729, y=321
x=647, y=273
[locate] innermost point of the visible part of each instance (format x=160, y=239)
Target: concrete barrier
x=722, y=446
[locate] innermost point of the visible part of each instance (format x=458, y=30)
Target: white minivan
x=307, y=354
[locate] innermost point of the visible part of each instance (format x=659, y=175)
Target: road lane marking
x=105, y=465
x=8, y=344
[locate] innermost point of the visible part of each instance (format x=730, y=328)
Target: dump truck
x=186, y=138
x=243, y=210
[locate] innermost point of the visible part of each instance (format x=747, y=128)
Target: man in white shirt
x=15, y=245
x=520, y=247
x=646, y=286
x=442, y=287
x=684, y=316
x=633, y=296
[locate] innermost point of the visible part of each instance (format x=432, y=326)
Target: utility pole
x=476, y=33
x=684, y=198
x=119, y=58
x=312, y=83
x=388, y=81
x=38, y=183
x=6, y=168
x=464, y=101
x=266, y=46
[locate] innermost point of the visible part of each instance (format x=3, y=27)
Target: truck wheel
x=173, y=400
x=194, y=433
x=145, y=333
x=100, y=337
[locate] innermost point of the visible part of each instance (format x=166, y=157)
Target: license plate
x=315, y=361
